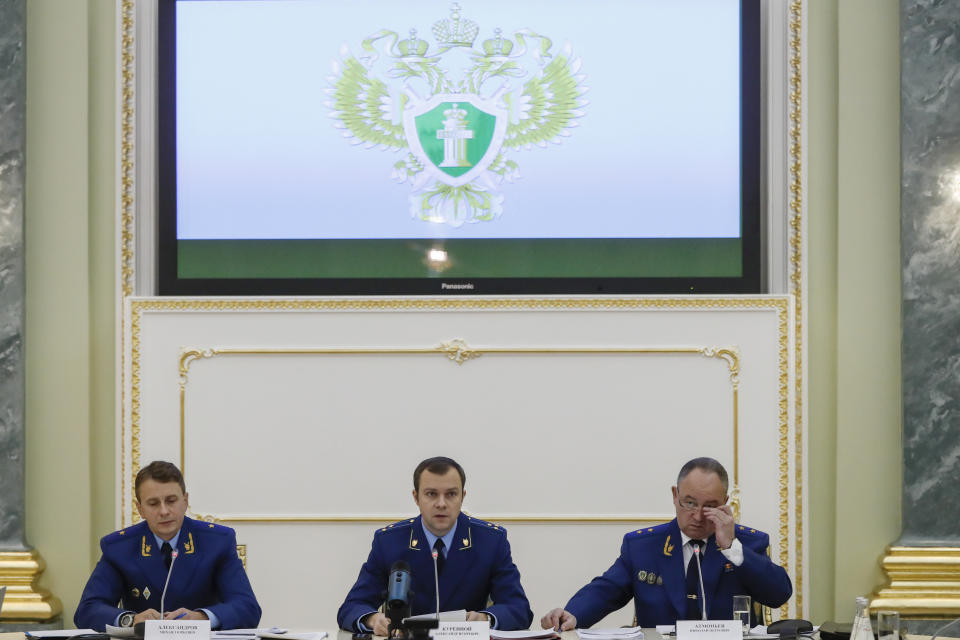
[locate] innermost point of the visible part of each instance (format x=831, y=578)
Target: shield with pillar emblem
x=455, y=136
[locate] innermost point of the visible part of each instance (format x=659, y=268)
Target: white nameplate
x=707, y=630
x=176, y=630
x=459, y=631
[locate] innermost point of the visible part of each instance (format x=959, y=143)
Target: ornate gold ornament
x=127, y=209
x=795, y=153
x=458, y=351
x=730, y=356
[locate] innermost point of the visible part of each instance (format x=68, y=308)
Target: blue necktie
x=438, y=546
x=694, y=597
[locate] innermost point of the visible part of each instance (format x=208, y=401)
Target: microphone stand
x=436, y=582
x=703, y=592
x=943, y=628
x=173, y=558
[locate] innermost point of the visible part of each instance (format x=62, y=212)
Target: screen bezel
x=751, y=186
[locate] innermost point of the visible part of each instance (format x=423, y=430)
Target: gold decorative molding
x=126, y=238
x=924, y=582
x=19, y=572
x=633, y=303
x=127, y=144
x=126, y=198
x=797, y=273
x=188, y=356
x=458, y=351
x=381, y=519
x=134, y=411
x=782, y=306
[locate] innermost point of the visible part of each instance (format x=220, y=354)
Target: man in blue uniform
x=474, y=563
x=207, y=579
x=658, y=567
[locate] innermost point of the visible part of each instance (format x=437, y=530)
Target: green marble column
x=20, y=566
x=924, y=564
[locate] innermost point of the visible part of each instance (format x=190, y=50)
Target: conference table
x=339, y=634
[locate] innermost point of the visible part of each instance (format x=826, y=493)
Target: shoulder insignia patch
x=414, y=542
x=667, y=547
x=468, y=541
x=188, y=546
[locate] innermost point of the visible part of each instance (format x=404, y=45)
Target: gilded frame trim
x=797, y=272
x=126, y=208
x=459, y=352
x=781, y=306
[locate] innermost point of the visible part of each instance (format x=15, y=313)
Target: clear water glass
x=741, y=612
x=888, y=625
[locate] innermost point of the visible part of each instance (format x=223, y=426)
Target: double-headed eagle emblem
x=458, y=124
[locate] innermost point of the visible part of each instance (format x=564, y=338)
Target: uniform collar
x=685, y=538
x=447, y=537
x=172, y=541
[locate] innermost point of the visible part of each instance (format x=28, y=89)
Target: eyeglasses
x=691, y=505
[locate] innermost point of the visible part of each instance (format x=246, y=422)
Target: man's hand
x=722, y=519
x=559, y=619
x=184, y=614
x=378, y=622
x=149, y=614
x=476, y=616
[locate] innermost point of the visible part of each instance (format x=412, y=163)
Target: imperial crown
x=497, y=45
x=413, y=46
x=455, y=32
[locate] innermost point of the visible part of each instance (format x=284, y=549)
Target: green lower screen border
x=483, y=258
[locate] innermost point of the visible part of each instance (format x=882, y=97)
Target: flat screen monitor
x=497, y=147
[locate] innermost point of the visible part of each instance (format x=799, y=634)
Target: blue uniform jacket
x=207, y=574
x=478, y=568
x=650, y=570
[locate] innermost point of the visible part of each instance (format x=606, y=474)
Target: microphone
x=398, y=596
x=703, y=593
x=436, y=581
x=398, y=585
x=173, y=557
x=140, y=629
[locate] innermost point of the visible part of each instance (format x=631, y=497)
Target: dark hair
x=159, y=471
x=438, y=465
x=707, y=465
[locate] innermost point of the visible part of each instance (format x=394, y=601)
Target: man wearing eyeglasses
x=687, y=569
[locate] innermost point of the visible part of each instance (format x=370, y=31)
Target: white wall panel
x=299, y=422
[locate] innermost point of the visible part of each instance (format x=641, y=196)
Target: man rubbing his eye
x=687, y=569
